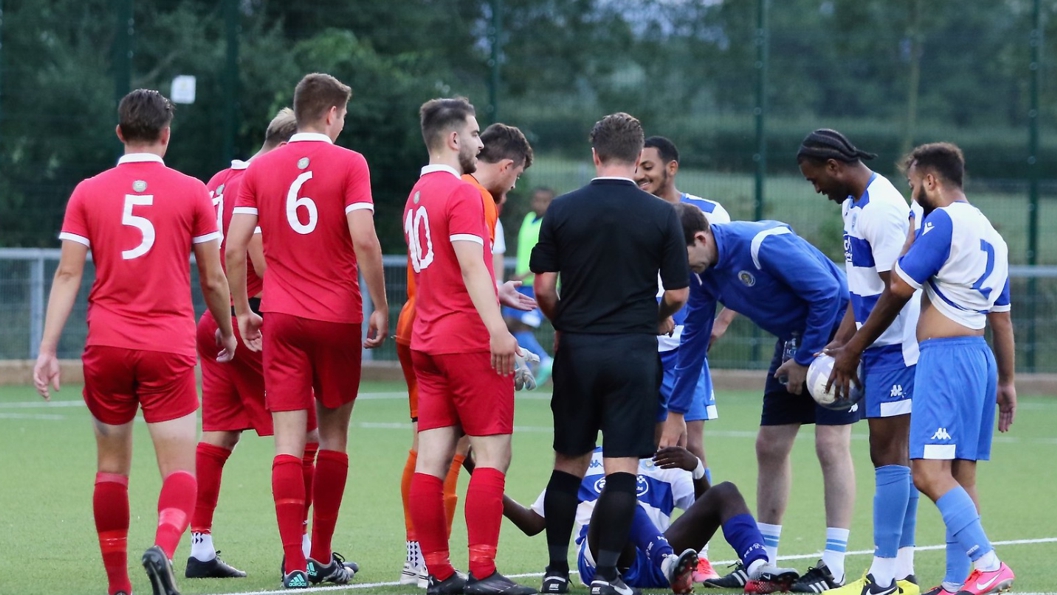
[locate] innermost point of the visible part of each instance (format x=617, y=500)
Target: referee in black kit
x=607, y=241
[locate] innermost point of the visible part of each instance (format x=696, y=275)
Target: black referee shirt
x=608, y=241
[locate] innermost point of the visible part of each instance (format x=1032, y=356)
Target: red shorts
x=302, y=355
x=462, y=389
x=118, y=380
x=403, y=352
x=232, y=392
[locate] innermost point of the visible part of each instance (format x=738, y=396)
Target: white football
x=817, y=377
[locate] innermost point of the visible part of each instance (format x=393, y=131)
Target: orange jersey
x=407, y=313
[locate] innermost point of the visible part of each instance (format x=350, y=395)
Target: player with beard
x=462, y=353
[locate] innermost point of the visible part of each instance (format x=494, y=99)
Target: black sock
x=613, y=513
x=559, y=509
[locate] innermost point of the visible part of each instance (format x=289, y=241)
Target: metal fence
x=26, y=276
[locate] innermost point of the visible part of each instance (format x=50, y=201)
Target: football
x=817, y=376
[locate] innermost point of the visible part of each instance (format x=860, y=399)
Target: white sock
x=202, y=547
x=410, y=559
x=756, y=568
x=883, y=571
x=771, y=535
x=905, y=562
x=950, y=587
x=833, y=555
x=987, y=562
x=306, y=544
x=416, y=553
x=704, y=552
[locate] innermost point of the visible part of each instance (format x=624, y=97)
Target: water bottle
x=788, y=351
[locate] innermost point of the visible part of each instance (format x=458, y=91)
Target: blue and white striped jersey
x=875, y=229
x=660, y=491
x=715, y=213
x=962, y=263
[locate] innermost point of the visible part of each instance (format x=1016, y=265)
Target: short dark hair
x=943, y=159
x=438, y=116
x=281, y=128
x=693, y=220
x=825, y=144
x=143, y=114
x=665, y=148
x=316, y=94
x=617, y=136
x=505, y=142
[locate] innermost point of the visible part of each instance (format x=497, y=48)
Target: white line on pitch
x=536, y=574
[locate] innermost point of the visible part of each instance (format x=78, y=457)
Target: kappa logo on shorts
x=897, y=390
x=941, y=434
x=746, y=278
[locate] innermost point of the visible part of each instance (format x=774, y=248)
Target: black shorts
x=781, y=407
x=609, y=383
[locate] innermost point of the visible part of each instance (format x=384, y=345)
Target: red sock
x=308, y=470
x=332, y=470
x=288, y=491
x=427, y=512
x=176, y=504
x=209, y=467
x=451, y=483
x=405, y=493
x=484, y=498
x=110, y=505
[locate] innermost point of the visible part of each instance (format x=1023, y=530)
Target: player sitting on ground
x=673, y=478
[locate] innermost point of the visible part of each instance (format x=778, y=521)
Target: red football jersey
x=441, y=209
x=224, y=190
x=301, y=194
x=140, y=220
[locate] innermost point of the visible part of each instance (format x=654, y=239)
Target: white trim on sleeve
x=359, y=206
x=905, y=276
x=75, y=238
x=245, y=211
x=466, y=237
x=209, y=237
x=1000, y=308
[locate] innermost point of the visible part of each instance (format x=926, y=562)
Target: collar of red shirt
x=239, y=164
x=440, y=167
x=140, y=158
x=310, y=136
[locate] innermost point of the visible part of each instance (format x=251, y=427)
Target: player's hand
x=910, y=235
x=45, y=372
x=673, y=433
x=227, y=346
x=377, y=329
x=675, y=457
x=666, y=326
x=719, y=328
x=250, y=329
x=510, y=296
x=1007, y=405
x=845, y=370
x=503, y=346
x=795, y=376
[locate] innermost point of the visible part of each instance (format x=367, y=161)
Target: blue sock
x=962, y=520
x=958, y=564
x=744, y=536
x=648, y=538
x=910, y=519
x=889, y=508
x=527, y=340
x=708, y=475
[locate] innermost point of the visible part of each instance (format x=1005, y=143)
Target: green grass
x=49, y=543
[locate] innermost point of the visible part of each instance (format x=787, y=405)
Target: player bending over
x=673, y=478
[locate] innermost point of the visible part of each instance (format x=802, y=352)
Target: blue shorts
x=888, y=380
x=703, y=407
x=531, y=318
x=781, y=407
x=642, y=574
x=956, y=385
